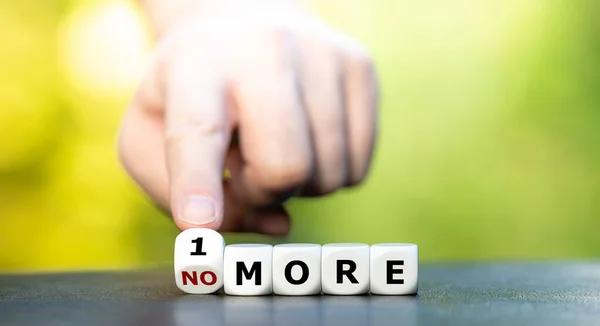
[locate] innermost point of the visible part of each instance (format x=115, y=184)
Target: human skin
x=300, y=97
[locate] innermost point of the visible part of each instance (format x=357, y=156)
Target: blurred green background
x=489, y=146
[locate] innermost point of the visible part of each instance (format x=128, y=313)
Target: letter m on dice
x=199, y=261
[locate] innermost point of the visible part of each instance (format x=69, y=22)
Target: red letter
x=194, y=279
x=213, y=278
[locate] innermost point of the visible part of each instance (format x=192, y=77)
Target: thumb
x=197, y=135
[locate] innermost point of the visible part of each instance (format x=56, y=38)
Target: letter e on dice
x=394, y=269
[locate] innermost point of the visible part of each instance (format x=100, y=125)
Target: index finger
x=197, y=133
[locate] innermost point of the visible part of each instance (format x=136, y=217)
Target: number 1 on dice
x=199, y=261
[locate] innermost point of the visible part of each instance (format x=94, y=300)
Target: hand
x=301, y=96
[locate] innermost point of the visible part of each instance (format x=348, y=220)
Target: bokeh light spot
x=104, y=47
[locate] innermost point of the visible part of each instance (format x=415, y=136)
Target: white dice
x=199, y=261
x=394, y=268
x=345, y=268
x=248, y=269
x=204, y=265
x=297, y=269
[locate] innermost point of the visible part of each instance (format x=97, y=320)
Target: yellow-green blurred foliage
x=489, y=146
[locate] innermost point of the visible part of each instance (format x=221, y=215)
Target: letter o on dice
x=297, y=269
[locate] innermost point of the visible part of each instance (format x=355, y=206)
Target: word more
x=204, y=265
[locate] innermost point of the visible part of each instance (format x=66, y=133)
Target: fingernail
x=198, y=210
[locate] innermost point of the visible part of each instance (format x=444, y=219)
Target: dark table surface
x=452, y=294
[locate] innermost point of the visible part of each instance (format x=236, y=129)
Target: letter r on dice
x=345, y=268
x=199, y=261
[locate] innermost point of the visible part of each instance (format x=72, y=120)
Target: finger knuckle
x=195, y=129
x=333, y=167
x=362, y=60
x=356, y=181
x=357, y=177
x=284, y=176
x=276, y=52
x=331, y=182
x=279, y=37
